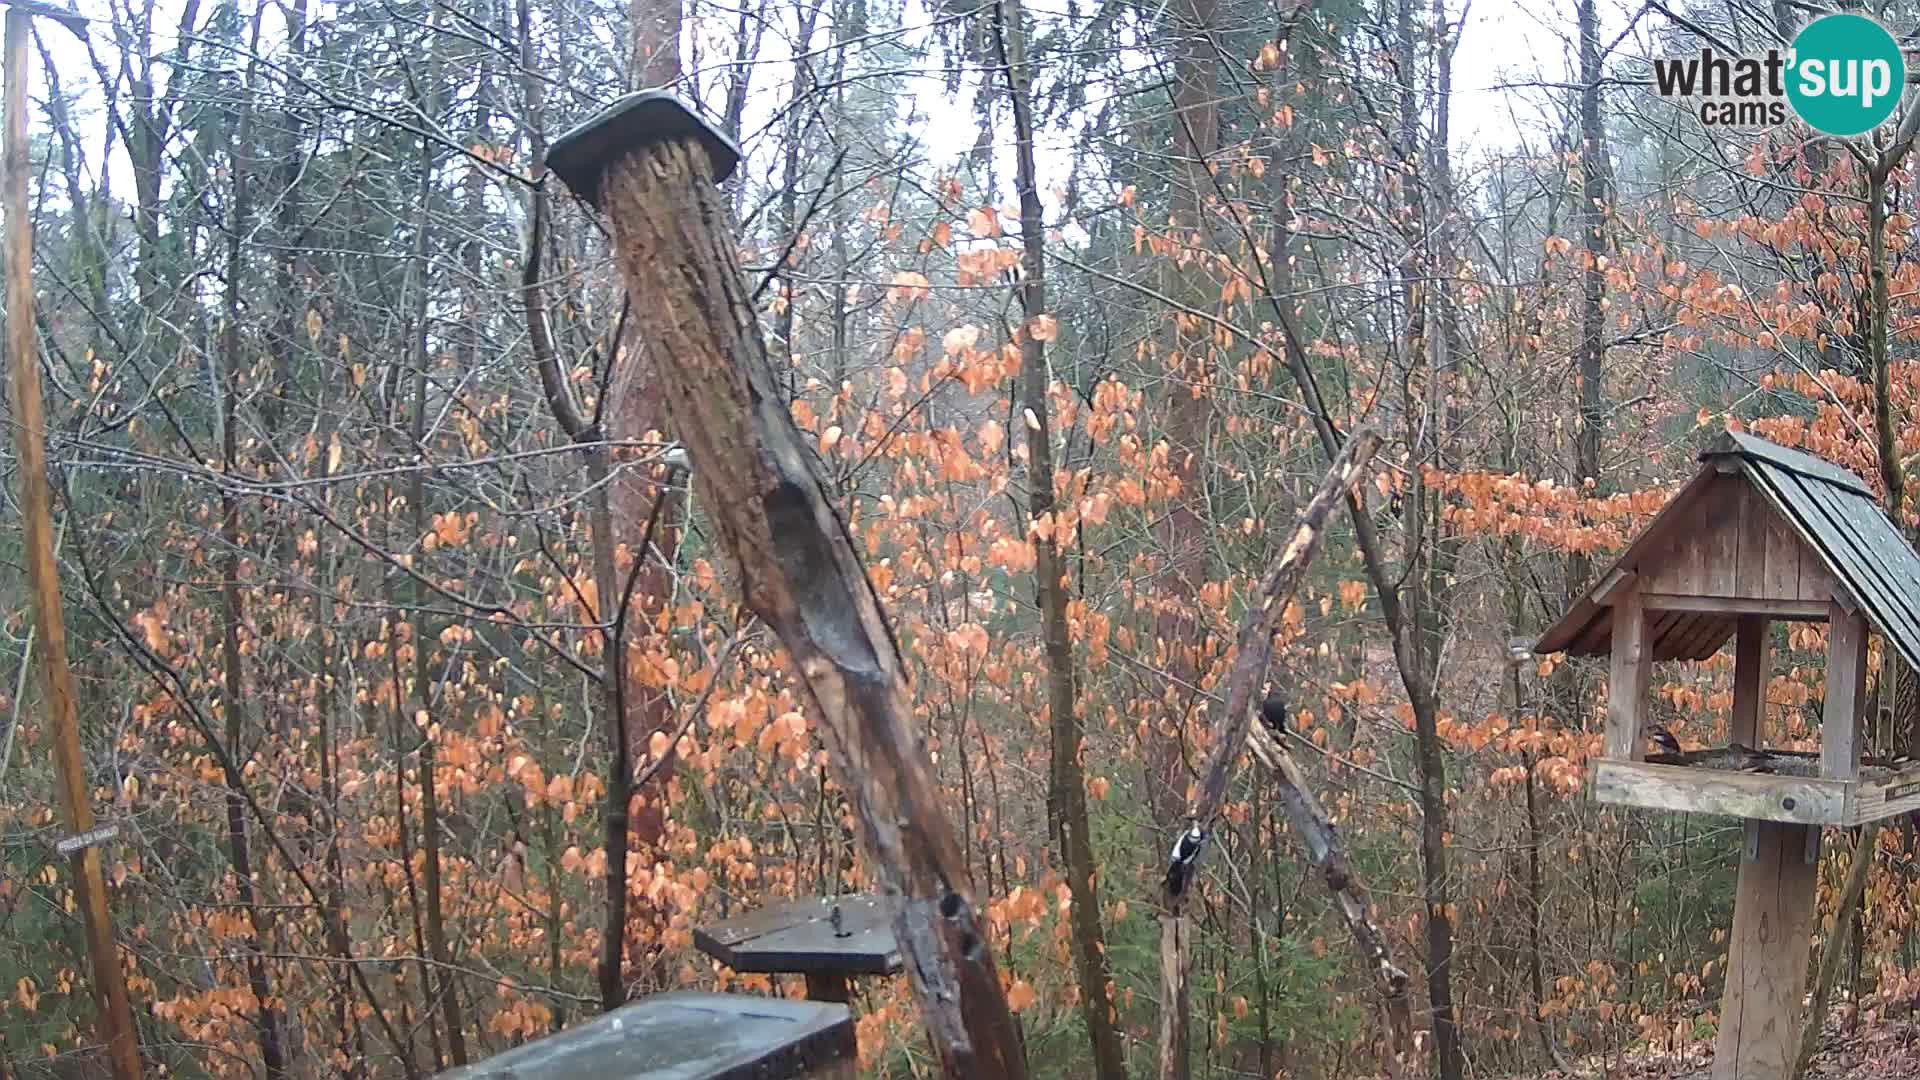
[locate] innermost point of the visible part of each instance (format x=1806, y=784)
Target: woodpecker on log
x=1185, y=858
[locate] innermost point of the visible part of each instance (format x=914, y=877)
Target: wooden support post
x=36, y=506
x=1767, y=962
x=651, y=165
x=827, y=986
x=1752, y=666
x=1627, y=679
x=1846, y=692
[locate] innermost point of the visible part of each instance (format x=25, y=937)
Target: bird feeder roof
x=1760, y=529
x=686, y=1036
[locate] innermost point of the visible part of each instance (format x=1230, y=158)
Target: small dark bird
x=1186, y=856
x=1661, y=737
x=1273, y=713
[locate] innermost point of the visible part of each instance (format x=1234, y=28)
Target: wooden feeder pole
x=652, y=166
x=36, y=506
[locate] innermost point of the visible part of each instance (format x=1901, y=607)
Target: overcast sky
x=1507, y=49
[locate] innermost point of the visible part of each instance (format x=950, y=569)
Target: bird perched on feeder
x=1664, y=739
x=1185, y=857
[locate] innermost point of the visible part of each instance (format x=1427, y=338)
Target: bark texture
x=797, y=569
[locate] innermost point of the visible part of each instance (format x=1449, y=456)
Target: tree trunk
x=1594, y=199
x=654, y=29
x=267, y=1022
x=441, y=987
x=1430, y=562
x=1067, y=782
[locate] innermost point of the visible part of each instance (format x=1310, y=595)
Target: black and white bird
x=1661, y=737
x=1185, y=857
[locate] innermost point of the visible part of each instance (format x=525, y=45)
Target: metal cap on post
x=581, y=156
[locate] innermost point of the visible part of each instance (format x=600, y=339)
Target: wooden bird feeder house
x=1761, y=534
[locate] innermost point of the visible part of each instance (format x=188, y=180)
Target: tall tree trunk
x=627, y=715
x=267, y=1021
x=1430, y=557
x=1594, y=199
x=441, y=986
x=346, y=1025
x=1181, y=532
x=1067, y=784
x=653, y=27
x=792, y=171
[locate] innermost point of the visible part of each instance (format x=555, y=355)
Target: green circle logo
x=1845, y=74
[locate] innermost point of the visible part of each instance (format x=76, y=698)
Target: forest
x=410, y=660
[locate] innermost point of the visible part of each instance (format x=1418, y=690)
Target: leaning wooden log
x=651, y=165
x=1329, y=855
x=1254, y=648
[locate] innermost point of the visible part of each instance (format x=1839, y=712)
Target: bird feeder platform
x=1761, y=534
x=1765, y=785
x=688, y=1036
x=808, y=938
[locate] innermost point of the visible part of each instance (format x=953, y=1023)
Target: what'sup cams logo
x=1843, y=75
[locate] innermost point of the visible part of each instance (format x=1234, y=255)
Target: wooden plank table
x=805, y=938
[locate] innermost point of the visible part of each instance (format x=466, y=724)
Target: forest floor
x=1879, y=1049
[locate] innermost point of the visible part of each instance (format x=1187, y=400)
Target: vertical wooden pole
x=1846, y=690
x=1767, y=962
x=36, y=505
x=1627, y=679
x=1752, y=666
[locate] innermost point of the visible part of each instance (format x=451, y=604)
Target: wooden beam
x=1845, y=599
x=1627, y=680
x=1611, y=587
x=1752, y=665
x=1790, y=609
x=1846, y=693
x=1889, y=797
x=1767, y=961
x=1804, y=800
